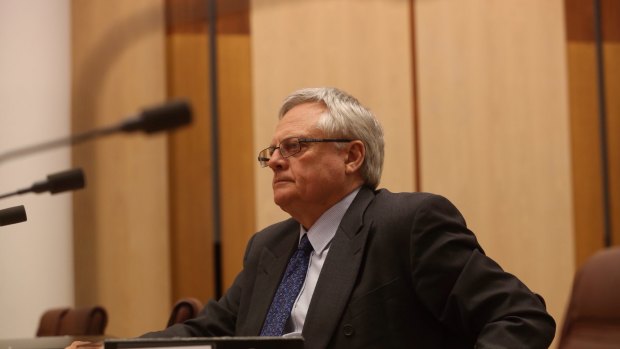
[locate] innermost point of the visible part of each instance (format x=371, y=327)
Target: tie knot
x=305, y=244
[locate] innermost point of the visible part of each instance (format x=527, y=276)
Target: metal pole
x=215, y=149
x=602, y=120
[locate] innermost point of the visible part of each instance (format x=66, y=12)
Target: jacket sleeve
x=468, y=291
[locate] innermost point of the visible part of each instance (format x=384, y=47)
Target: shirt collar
x=324, y=229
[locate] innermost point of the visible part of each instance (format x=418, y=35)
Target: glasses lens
x=264, y=156
x=289, y=147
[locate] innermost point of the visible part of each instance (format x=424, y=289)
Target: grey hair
x=345, y=117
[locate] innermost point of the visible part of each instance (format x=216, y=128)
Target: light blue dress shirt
x=320, y=236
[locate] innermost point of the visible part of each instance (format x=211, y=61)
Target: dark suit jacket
x=403, y=271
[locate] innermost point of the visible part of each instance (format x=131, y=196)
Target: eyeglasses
x=291, y=146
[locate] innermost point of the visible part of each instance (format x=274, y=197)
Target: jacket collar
x=339, y=273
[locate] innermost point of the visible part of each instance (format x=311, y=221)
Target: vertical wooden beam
x=611, y=43
x=417, y=168
x=191, y=166
x=238, y=155
x=585, y=133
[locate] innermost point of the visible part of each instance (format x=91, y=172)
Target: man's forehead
x=302, y=132
x=298, y=122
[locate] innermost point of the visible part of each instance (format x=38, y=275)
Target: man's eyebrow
x=285, y=138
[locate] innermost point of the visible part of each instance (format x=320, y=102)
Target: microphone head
x=165, y=117
x=12, y=215
x=66, y=180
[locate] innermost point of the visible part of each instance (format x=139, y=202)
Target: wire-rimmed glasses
x=291, y=146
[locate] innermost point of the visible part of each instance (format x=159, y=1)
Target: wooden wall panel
x=585, y=151
x=612, y=85
x=237, y=153
x=585, y=125
x=121, y=218
x=494, y=132
x=362, y=47
x=191, y=168
x=192, y=233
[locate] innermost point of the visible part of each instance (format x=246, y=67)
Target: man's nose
x=276, y=160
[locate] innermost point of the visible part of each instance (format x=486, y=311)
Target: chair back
x=85, y=321
x=184, y=309
x=592, y=319
x=49, y=324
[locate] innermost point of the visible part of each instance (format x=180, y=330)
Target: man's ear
x=355, y=156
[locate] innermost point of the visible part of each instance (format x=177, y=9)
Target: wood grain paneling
x=580, y=20
x=237, y=153
x=191, y=16
x=414, y=97
x=585, y=150
x=610, y=17
x=494, y=132
x=585, y=124
x=191, y=164
x=612, y=87
x=191, y=169
x=362, y=47
x=121, y=219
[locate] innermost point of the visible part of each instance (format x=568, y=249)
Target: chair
x=85, y=321
x=49, y=324
x=593, y=316
x=184, y=309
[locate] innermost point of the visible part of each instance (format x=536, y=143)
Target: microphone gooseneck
x=151, y=120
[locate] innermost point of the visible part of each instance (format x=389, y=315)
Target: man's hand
x=85, y=345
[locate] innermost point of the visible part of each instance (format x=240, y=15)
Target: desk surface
x=207, y=343
x=56, y=342
x=60, y=342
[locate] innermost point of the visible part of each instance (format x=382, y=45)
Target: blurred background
x=504, y=107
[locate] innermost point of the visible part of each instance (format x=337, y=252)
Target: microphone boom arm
x=71, y=140
x=151, y=120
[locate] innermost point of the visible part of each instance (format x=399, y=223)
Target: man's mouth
x=281, y=180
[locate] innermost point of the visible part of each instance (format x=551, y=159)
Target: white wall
x=36, y=257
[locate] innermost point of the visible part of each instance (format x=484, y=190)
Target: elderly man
x=357, y=267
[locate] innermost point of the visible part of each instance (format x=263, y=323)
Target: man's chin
x=282, y=198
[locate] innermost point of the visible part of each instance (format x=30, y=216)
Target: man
x=385, y=270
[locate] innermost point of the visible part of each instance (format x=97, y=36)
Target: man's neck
x=307, y=216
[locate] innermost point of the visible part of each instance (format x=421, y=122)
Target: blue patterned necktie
x=288, y=290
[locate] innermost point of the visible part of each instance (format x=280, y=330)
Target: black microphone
x=55, y=183
x=12, y=215
x=164, y=117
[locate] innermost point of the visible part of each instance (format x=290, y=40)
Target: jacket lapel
x=338, y=274
x=273, y=261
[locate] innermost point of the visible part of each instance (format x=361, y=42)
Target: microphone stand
x=160, y=118
x=151, y=120
x=55, y=183
x=71, y=140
